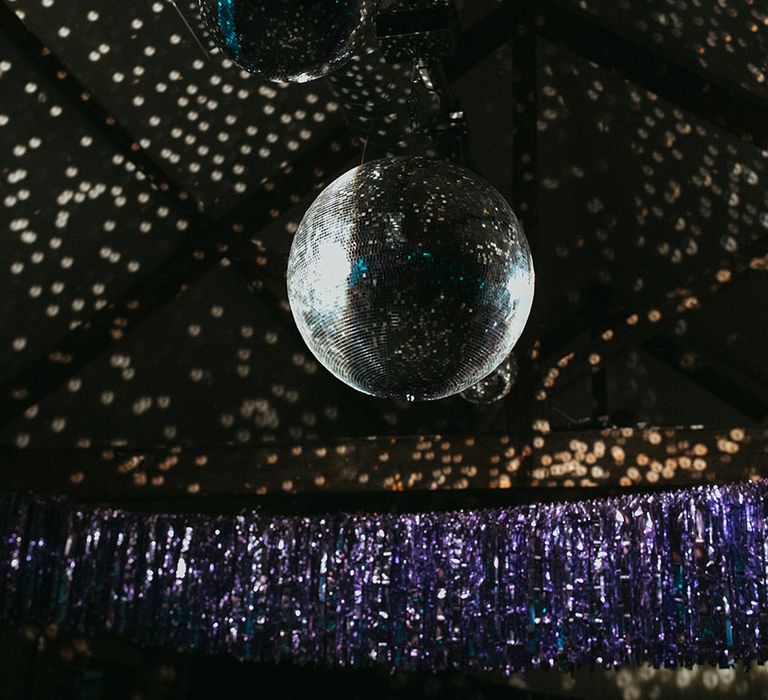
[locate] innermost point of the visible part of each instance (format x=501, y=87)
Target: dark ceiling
x=149, y=195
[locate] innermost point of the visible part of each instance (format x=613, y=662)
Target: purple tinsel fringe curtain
x=676, y=578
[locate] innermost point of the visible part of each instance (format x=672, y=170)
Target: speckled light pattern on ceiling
x=727, y=39
x=663, y=208
x=636, y=184
x=218, y=130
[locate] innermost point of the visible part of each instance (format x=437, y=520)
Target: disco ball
x=288, y=40
x=496, y=385
x=410, y=278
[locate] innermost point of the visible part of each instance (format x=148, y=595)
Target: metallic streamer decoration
x=671, y=579
x=289, y=40
x=410, y=278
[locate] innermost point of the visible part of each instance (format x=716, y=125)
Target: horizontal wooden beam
x=609, y=460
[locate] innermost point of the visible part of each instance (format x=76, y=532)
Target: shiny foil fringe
x=671, y=579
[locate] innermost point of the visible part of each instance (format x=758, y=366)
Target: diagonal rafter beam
x=640, y=328
x=731, y=107
x=743, y=393
x=100, y=118
x=727, y=105
x=205, y=244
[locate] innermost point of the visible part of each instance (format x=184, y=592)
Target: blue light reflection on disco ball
x=410, y=278
x=289, y=40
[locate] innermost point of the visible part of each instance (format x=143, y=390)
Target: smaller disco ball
x=495, y=386
x=410, y=278
x=288, y=40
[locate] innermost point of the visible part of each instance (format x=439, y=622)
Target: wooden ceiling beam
x=582, y=462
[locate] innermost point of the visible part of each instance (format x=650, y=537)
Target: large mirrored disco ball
x=495, y=386
x=410, y=278
x=289, y=40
